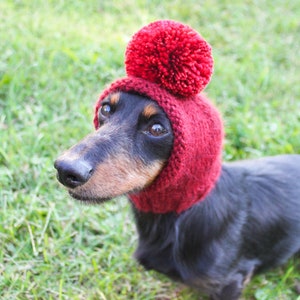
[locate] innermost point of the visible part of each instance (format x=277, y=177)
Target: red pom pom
x=172, y=55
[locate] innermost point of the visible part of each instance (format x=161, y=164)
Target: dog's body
x=248, y=223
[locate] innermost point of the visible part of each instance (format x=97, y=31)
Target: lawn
x=55, y=58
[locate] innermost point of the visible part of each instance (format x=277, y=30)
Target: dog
x=247, y=224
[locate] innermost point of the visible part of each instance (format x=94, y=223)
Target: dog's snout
x=73, y=173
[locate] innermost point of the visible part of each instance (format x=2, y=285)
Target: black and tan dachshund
x=249, y=223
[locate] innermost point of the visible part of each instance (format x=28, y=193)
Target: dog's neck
x=160, y=234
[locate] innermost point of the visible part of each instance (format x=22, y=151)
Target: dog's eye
x=106, y=110
x=157, y=130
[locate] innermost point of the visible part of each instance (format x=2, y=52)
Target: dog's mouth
x=86, y=199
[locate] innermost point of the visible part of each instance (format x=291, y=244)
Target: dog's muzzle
x=73, y=173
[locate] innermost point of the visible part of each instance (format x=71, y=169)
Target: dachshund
x=248, y=223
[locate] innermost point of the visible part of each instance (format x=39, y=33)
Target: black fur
x=249, y=223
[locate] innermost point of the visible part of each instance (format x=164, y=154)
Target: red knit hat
x=171, y=63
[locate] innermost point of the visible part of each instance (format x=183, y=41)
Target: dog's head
x=124, y=155
x=154, y=115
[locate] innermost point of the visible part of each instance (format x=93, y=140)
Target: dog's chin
x=88, y=200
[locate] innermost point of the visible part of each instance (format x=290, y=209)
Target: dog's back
x=249, y=222
x=272, y=191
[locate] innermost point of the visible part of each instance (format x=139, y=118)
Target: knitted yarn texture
x=171, y=63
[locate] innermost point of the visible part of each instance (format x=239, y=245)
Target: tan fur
x=114, y=98
x=149, y=111
x=117, y=176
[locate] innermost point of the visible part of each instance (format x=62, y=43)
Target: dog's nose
x=73, y=173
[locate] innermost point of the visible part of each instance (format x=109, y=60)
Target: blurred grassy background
x=55, y=58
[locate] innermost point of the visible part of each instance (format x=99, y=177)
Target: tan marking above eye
x=114, y=98
x=150, y=110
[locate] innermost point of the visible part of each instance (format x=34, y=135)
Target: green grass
x=55, y=58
